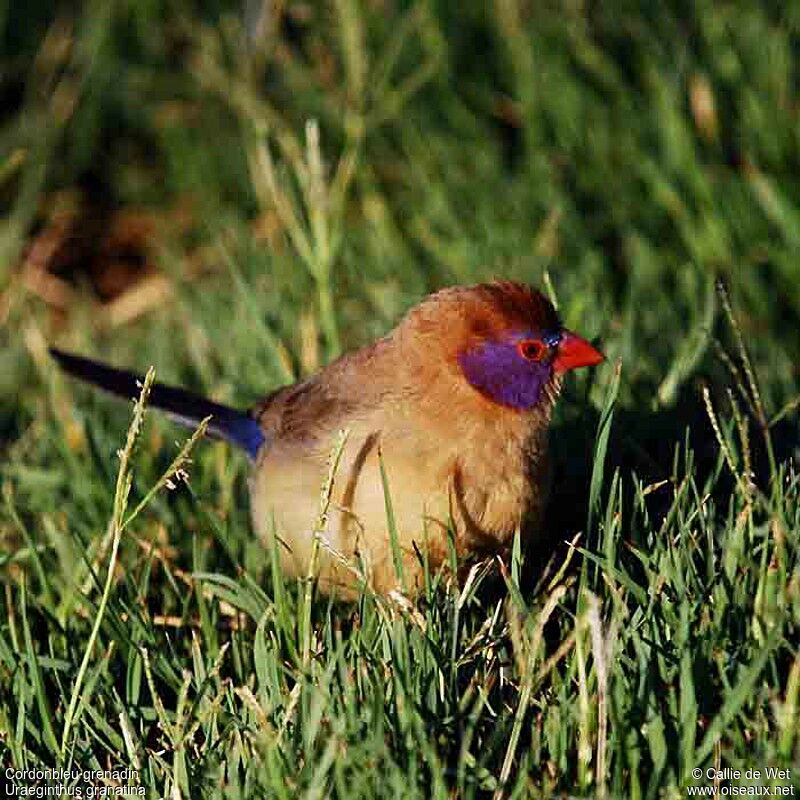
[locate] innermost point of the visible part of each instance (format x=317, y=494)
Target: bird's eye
x=532, y=349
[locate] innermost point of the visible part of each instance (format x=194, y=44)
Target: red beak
x=574, y=352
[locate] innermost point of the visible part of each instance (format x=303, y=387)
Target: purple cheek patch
x=497, y=371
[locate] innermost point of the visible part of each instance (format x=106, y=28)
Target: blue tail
x=186, y=408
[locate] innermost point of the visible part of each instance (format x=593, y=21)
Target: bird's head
x=505, y=339
x=518, y=348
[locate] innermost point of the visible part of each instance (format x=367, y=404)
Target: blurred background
x=235, y=192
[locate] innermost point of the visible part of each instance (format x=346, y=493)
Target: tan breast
x=479, y=480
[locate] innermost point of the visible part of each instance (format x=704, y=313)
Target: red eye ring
x=532, y=349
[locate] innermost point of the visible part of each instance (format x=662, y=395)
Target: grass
x=308, y=175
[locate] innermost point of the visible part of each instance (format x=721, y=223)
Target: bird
x=446, y=416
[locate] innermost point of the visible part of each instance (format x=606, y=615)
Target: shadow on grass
x=644, y=443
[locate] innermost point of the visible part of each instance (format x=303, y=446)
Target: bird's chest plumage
x=478, y=480
x=500, y=484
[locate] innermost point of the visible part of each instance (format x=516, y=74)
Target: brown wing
x=305, y=412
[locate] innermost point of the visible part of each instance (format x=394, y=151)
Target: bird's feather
x=187, y=408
